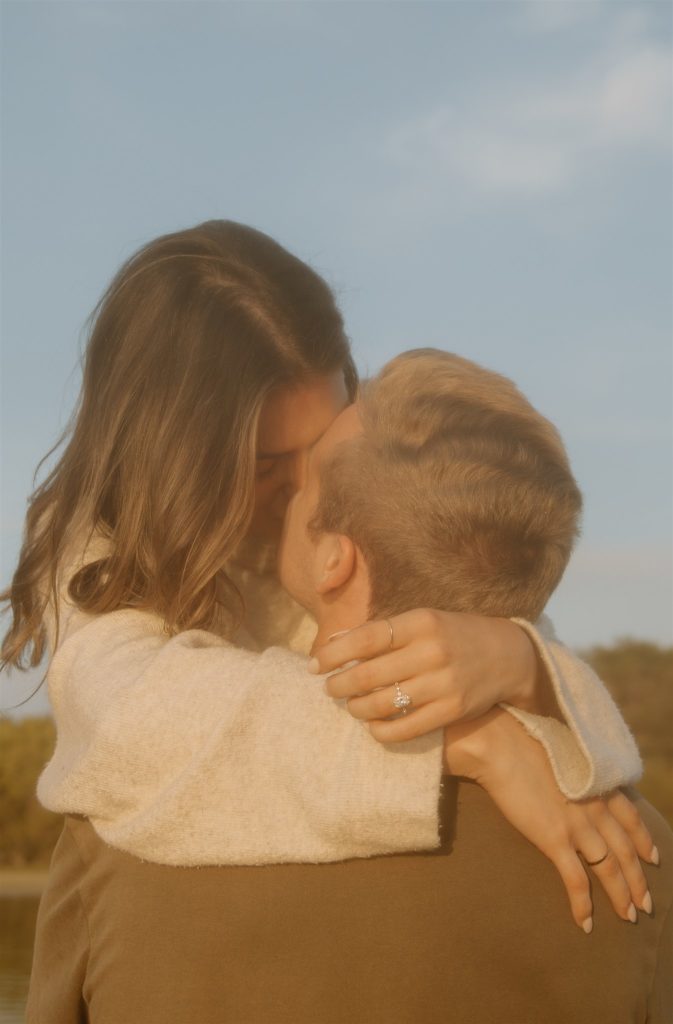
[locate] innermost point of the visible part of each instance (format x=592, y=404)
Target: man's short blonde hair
x=459, y=493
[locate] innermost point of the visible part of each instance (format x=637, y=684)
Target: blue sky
x=490, y=178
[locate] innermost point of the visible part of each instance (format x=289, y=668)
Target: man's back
x=477, y=932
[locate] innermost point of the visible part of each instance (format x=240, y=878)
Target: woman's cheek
x=271, y=502
x=261, y=494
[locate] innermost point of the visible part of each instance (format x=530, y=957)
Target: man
x=442, y=487
x=476, y=931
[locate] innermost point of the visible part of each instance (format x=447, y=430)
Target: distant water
x=17, y=929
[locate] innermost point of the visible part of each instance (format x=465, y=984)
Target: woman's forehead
x=293, y=419
x=344, y=427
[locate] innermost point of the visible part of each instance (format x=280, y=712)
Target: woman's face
x=291, y=422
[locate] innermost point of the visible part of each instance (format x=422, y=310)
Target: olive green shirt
x=476, y=932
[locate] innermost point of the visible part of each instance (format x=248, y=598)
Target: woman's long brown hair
x=192, y=334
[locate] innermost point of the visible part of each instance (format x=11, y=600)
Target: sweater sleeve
x=590, y=754
x=594, y=752
x=188, y=750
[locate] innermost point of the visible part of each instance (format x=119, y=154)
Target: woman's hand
x=454, y=667
x=514, y=769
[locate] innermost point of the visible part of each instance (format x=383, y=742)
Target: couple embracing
x=255, y=837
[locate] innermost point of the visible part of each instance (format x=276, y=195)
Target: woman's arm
x=607, y=832
x=187, y=750
x=457, y=667
x=190, y=751
x=603, y=753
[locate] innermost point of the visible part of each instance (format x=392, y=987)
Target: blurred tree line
x=639, y=676
x=28, y=832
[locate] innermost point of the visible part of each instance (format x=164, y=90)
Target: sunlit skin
x=306, y=563
x=328, y=575
x=291, y=422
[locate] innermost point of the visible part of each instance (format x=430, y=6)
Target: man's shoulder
x=520, y=908
x=479, y=833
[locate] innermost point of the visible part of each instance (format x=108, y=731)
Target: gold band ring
x=593, y=863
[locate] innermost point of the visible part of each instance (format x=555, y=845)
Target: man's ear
x=335, y=563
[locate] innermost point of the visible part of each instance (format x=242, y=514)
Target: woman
x=147, y=569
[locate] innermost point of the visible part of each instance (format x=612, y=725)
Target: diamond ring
x=401, y=699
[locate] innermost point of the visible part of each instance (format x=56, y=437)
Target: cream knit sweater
x=191, y=750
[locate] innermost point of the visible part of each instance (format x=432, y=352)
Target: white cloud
x=544, y=137
x=556, y=15
x=492, y=157
x=632, y=102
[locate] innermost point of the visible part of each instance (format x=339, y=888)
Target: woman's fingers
x=470, y=658
x=576, y=881
x=620, y=873
x=407, y=727
x=627, y=814
x=609, y=873
x=613, y=876
x=426, y=691
x=387, y=669
x=373, y=639
x=367, y=641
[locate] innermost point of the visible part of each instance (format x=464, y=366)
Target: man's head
x=442, y=487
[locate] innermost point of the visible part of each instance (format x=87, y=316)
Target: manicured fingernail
x=654, y=856
x=588, y=925
x=646, y=904
x=632, y=913
x=314, y=666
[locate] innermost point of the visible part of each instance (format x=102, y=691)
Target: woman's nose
x=288, y=487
